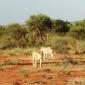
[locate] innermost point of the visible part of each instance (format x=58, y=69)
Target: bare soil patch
x=53, y=72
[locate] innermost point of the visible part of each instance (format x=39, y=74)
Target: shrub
x=72, y=42
x=11, y=62
x=78, y=30
x=81, y=47
x=5, y=43
x=24, y=71
x=59, y=44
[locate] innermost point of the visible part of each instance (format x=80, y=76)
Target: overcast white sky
x=12, y=11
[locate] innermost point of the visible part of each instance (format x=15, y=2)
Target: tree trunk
x=41, y=36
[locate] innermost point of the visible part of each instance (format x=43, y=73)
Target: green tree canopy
x=78, y=29
x=39, y=21
x=39, y=24
x=61, y=26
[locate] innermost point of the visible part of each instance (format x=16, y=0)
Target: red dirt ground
x=50, y=75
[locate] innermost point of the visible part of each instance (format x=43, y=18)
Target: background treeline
x=41, y=30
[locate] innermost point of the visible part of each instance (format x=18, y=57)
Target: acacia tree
x=61, y=26
x=39, y=24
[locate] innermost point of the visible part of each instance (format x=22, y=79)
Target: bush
x=61, y=44
x=72, y=42
x=78, y=30
x=81, y=47
x=5, y=42
x=58, y=43
x=24, y=71
x=11, y=62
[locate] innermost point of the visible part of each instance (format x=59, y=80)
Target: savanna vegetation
x=41, y=30
x=18, y=41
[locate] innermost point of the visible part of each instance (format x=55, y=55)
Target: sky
x=18, y=11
